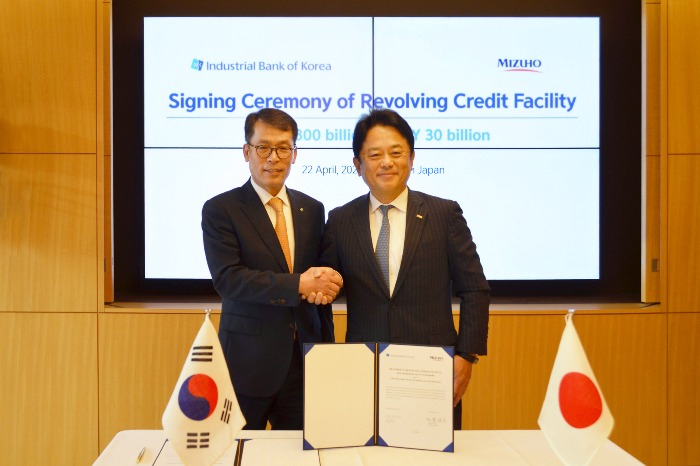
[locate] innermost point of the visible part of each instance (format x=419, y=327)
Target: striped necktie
x=382, y=250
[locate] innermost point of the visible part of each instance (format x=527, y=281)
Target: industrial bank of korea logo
x=197, y=64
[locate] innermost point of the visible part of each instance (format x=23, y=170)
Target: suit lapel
x=301, y=227
x=254, y=209
x=416, y=216
x=364, y=239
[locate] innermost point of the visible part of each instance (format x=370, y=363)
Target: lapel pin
x=419, y=216
x=301, y=209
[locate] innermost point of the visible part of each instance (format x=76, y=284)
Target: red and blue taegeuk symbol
x=198, y=397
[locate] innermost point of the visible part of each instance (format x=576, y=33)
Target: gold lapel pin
x=301, y=209
x=419, y=216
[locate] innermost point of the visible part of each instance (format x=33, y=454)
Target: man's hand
x=463, y=373
x=320, y=285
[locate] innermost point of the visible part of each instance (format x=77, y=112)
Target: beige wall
x=76, y=372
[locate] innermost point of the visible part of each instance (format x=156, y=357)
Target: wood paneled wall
x=49, y=233
x=105, y=115
x=48, y=148
x=147, y=349
x=684, y=388
x=51, y=225
x=680, y=221
x=74, y=373
x=651, y=168
x=49, y=388
x=49, y=92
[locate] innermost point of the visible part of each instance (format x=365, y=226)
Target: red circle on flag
x=579, y=400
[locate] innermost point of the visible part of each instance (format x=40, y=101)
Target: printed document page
x=415, y=397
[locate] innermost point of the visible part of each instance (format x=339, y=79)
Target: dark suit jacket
x=260, y=302
x=439, y=261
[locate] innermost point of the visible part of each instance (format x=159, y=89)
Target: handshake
x=320, y=285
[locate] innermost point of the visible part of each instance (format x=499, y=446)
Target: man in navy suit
x=261, y=242
x=404, y=294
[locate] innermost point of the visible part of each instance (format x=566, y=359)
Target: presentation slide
x=505, y=114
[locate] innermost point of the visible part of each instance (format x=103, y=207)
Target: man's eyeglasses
x=264, y=152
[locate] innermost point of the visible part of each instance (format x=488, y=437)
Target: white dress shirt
x=397, y=222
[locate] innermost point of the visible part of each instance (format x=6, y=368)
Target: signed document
x=361, y=394
x=415, y=397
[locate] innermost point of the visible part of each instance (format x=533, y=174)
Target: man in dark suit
x=404, y=254
x=261, y=241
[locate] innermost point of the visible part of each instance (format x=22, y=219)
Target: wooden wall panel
x=106, y=37
x=683, y=76
x=105, y=18
x=108, y=245
x=140, y=359
x=340, y=324
x=684, y=389
x=48, y=90
x=48, y=368
x=48, y=239
x=652, y=78
x=651, y=217
x=102, y=42
x=622, y=349
x=680, y=69
x=683, y=233
x=651, y=231
x=508, y=385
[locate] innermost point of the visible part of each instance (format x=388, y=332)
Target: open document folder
x=358, y=394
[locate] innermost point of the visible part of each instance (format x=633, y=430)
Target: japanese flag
x=575, y=418
x=202, y=417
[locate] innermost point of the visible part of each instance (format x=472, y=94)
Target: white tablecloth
x=472, y=447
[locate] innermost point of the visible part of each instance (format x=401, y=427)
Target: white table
x=472, y=447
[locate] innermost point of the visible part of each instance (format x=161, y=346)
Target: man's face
x=269, y=172
x=385, y=163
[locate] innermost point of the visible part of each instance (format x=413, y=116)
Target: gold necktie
x=281, y=229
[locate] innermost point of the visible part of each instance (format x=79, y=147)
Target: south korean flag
x=202, y=417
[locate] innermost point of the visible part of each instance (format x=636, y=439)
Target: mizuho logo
x=531, y=65
x=197, y=64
